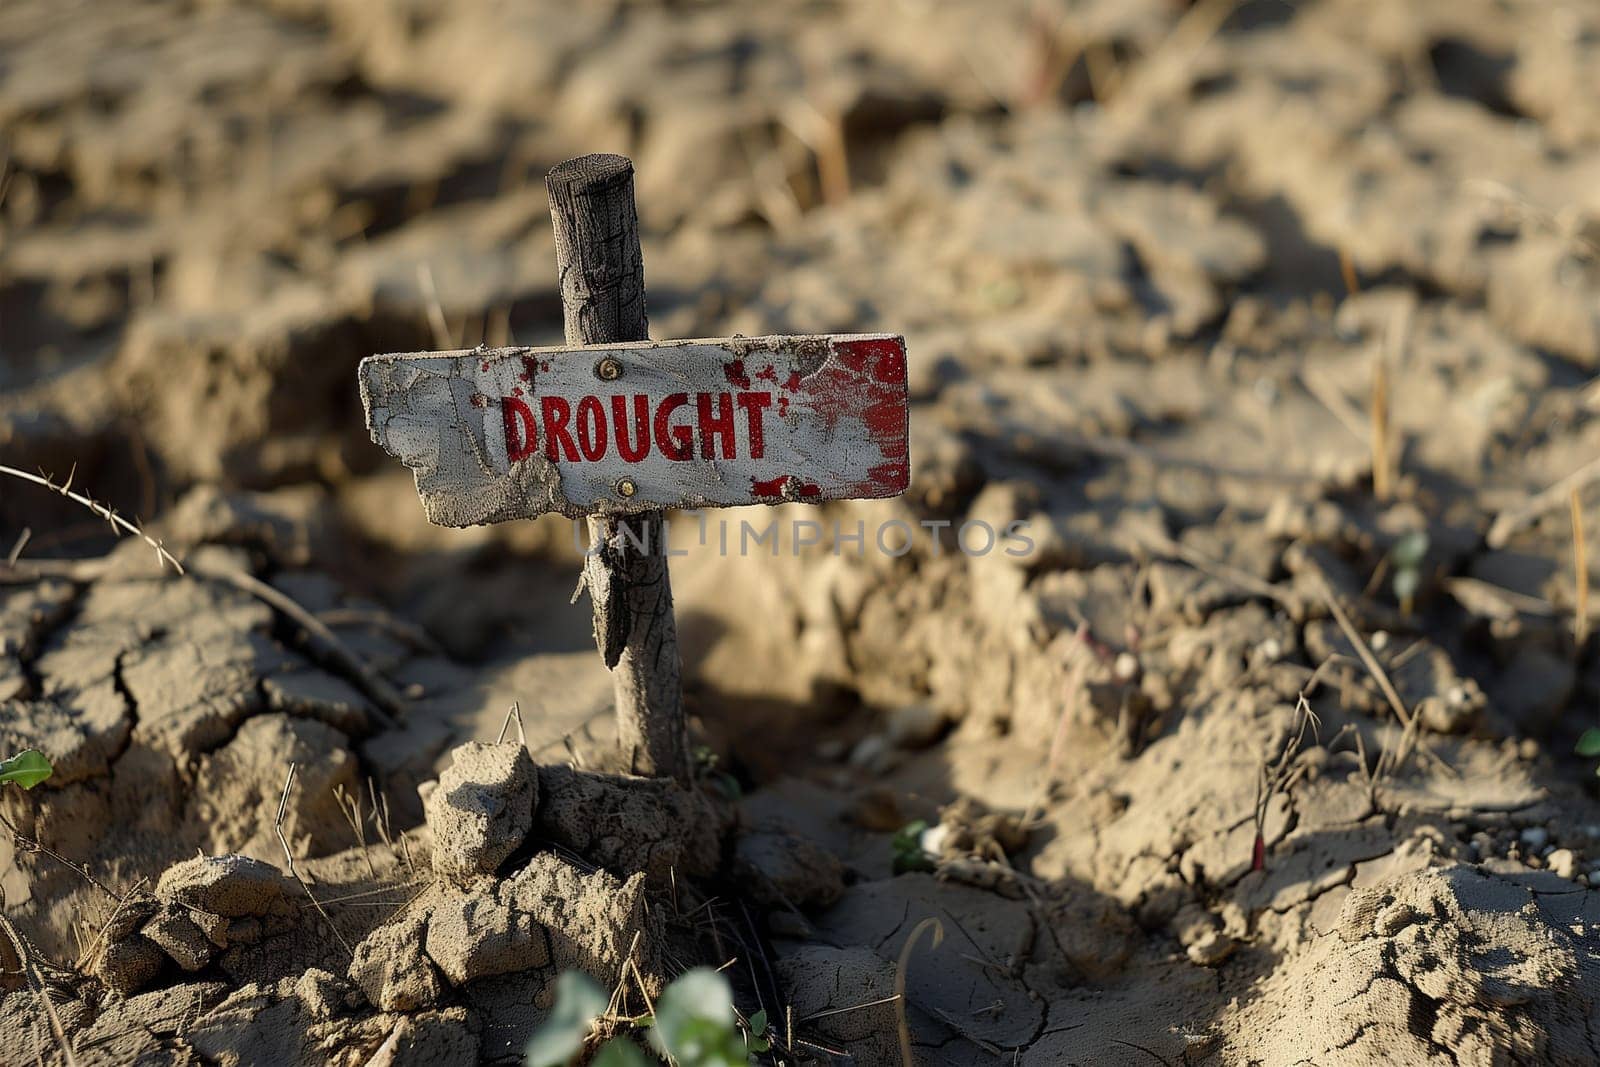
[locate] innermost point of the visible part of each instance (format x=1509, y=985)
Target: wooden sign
x=508, y=433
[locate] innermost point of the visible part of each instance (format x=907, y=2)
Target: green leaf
x=27, y=768
x=758, y=1023
x=619, y=1053
x=579, y=1001
x=1589, y=743
x=1407, y=552
x=695, y=1022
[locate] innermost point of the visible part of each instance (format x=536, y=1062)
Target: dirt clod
x=481, y=808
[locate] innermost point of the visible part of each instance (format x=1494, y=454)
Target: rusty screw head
x=608, y=369
x=625, y=487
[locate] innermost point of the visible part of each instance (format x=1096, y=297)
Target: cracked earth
x=1271, y=324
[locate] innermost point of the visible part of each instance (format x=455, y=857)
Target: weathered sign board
x=504, y=433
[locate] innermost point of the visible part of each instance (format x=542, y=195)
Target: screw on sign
x=618, y=428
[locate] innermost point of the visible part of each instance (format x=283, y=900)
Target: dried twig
x=118, y=523
x=514, y=714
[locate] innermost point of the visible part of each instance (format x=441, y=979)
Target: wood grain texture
x=601, y=272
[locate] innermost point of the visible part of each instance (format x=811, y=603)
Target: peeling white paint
x=813, y=418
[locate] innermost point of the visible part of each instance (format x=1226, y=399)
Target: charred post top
x=597, y=249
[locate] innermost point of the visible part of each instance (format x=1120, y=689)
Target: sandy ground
x=1241, y=308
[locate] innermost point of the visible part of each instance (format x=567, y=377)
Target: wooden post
x=601, y=271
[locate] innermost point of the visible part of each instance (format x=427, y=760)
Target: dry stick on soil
x=1580, y=568
x=1511, y=520
x=390, y=705
x=118, y=523
x=288, y=856
x=900, y=983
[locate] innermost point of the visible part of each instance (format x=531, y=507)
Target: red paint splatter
x=776, y=487
x=865, y=380
x=769, y=373
x=734, y=371
x=516, y=390
x=529, y=369
x=793, y=383
x=783, y=406
x=484, y=365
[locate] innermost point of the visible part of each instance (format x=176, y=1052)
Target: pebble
x=1563, y=863
x=1535, y=837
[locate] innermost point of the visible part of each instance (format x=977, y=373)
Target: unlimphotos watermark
x=892, y=537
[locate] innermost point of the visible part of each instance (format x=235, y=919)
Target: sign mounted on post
x=616, y=429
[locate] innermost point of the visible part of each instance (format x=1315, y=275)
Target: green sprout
x=694, y=1025
x=1406, y=558
x=27, y=769
x=907, y=845
x=1589, y=744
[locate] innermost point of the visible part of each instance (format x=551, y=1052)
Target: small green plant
x=27, y=768
x=1589, y=744
x=1406, y=558
x=707, y=768
x=908, y=851
x=694, y=1025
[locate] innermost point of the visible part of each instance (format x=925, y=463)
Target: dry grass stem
x=1379, y=421
x=1511, y=520
x=288, y=856
x=436, y=319
x=1347, y=271
x=900, y=983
